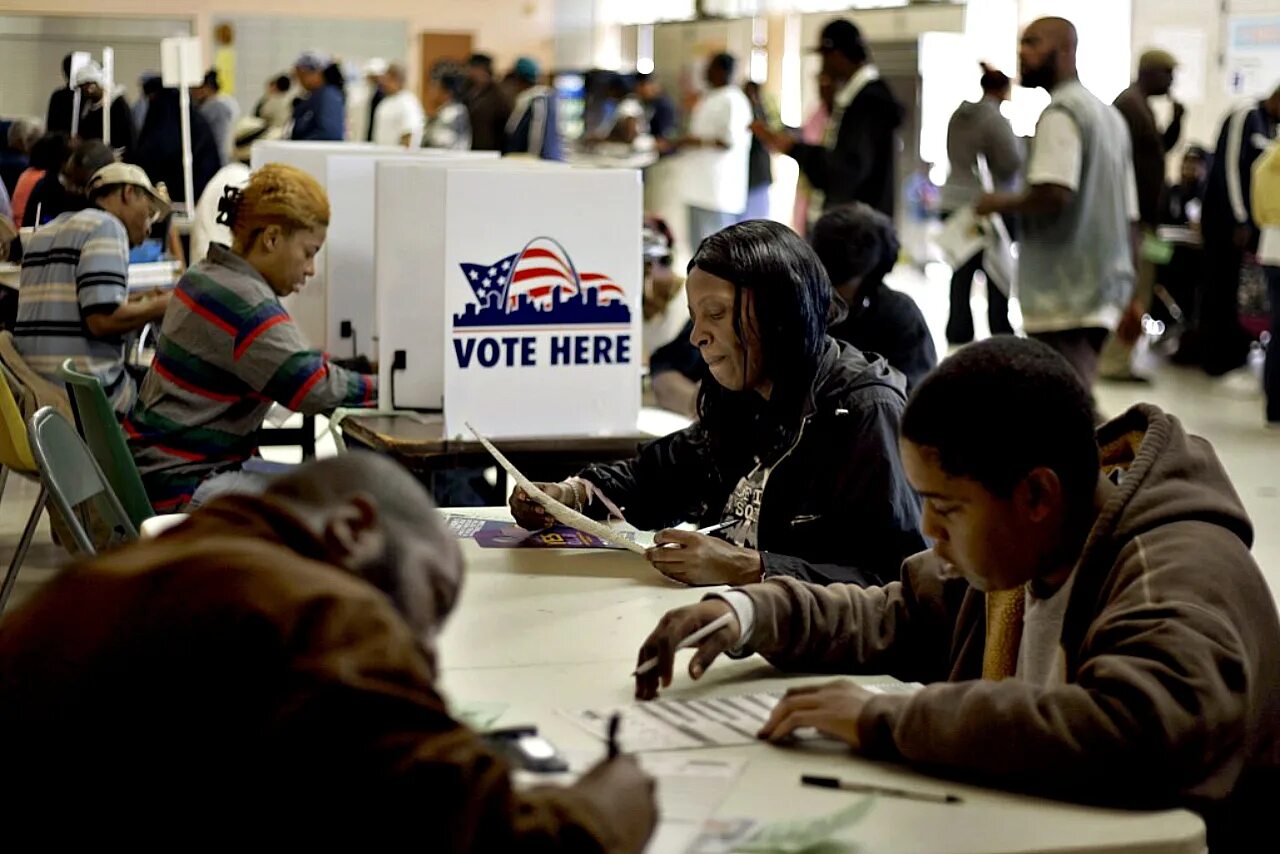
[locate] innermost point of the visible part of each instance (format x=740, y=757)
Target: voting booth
x=509, y=295
x=335, y=310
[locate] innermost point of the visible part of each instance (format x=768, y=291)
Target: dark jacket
x=489, y=109
x=321, y=116
x=861, y=168
x=978, y=128
x=1238, y=148
x=1150, y=146
x=534, y=126
x=228, y=661
x=58, y=116
x=159, y=149
x=837, y=506
x=122, y=130
x=50, y=200
x=1172, y=693
x=889, y=323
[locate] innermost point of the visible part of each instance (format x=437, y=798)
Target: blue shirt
x=321, y=116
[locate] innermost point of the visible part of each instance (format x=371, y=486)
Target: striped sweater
x=227, y=350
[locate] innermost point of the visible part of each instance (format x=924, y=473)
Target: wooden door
x=438, y=47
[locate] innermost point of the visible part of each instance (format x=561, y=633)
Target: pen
x=692, y=640
x=614, y=720
x=710, y=529
x=871, y=789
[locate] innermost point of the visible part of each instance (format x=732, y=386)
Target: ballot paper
x=690, y=789
x=801, y=834
x=661, y=725
x=561, y=513
x=480, y=715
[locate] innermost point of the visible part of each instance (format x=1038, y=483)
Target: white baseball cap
x=90, y=72
x=127, y=173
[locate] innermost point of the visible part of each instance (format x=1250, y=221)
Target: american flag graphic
x=537, y=272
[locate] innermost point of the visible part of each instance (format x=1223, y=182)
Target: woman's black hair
x=791, y=296
x=333, y=76
x=51, y=151
x=855, y=241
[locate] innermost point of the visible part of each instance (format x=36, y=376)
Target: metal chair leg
x=24, y=544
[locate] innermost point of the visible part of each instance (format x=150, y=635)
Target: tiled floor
x=1227, y=412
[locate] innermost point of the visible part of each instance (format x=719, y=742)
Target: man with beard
x=1078, y=210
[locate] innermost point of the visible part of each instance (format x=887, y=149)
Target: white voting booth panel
x=340, y=295
x=510, y=296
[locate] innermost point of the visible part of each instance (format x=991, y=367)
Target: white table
x=541, y=630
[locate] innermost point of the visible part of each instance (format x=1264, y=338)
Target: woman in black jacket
x=796, y=441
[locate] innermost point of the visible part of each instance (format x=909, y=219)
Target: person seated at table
x=277, y=654
x=795, y=443
x=859, y=247
x=1089, y=624
x=73, y=296
x=62, y=190
x=228, y=349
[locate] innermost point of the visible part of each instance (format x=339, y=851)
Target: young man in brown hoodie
x=268, y=668
x=1089, y=627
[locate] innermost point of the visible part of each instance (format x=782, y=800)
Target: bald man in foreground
x=1079, y=210
x=269, y=666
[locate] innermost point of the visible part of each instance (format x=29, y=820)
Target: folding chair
x=72, y=478
x=15, y=455
x=96, y=421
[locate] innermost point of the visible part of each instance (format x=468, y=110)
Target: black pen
x=871, y=789
x=614, y=720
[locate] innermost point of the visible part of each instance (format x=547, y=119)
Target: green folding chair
x=75, y=483
x=96, y=421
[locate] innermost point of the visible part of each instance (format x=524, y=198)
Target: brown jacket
x=1171, y=640
x=224, y=677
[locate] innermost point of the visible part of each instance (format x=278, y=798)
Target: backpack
x=1266, y=188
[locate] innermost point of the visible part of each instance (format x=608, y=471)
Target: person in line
x=488, y=104
x=1221, y=344
x=228, y=349
x=281, y=652
x=220, y=111
x=74, y=300
x=1079, y=210
x=449, y=124
x=1182, y=205
x=659, y=112
x=275, y=107
x=1089, y=623
x=533, y=127
x=95, y=102
x=1150, y=148
x=148, y=82
x=159, y=151
x=207, y=227
x=812, y=131
x=977, y=129
x=320, y=115
x=398, y=119
x=1266, y=213
x=759, y=162
x=624, y=114
x=374, y=71
x=716, y=153
x=61, y=103
x=794, y=442
x=855, y=162
x=858, y=247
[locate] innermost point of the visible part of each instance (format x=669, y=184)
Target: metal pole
x=184, y=98
x=75, y=111
x=108, y=85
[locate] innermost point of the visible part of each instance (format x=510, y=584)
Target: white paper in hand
x=562, y=513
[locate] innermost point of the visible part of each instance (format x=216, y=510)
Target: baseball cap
x=842, y=36
x=375, y=67
x=90, y=72
x=312, y=60
x=127, y=173
x=1157, y=60
x=526, y=69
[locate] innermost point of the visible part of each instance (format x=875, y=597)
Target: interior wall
x=505, y=28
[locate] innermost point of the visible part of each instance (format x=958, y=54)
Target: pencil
x=692, y=640
x=614, y=721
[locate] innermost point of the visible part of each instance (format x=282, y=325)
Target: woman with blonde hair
x=228, y=349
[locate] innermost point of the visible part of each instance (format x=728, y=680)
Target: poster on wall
x=1253, y=55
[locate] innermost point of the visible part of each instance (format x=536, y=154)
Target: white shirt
x=396, y=116
x=1058, y=155
x=1269, y=247
x=715, y=178
x=205, y=229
